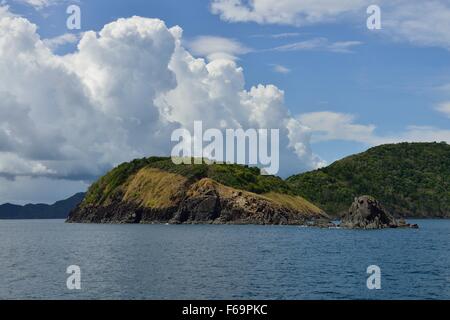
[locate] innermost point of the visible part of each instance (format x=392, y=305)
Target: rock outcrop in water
x=368, y=213
x=156, y=191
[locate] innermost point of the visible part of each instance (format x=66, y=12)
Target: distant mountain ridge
x=58, y=210
x=410, y=179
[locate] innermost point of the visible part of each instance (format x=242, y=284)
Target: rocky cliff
x=155, y=191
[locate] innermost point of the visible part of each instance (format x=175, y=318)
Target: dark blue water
x=221, y=262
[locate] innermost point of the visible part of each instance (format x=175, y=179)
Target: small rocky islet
x=368, y=213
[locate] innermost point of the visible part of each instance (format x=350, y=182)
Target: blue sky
x=384, y=86
x=384, y=82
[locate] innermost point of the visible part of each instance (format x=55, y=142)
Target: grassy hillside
x=154, y=190
x=155, y=181
x=293, y=202
x=410, y=179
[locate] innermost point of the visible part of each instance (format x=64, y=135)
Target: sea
x=38, y=259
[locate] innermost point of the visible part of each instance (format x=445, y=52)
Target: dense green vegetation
x=232, y=175
x=410, y=179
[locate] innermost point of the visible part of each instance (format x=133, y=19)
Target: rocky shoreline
x=206, y=202
x=209, y=206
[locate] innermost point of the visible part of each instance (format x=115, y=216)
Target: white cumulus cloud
x=66, y=38
x=119, y=96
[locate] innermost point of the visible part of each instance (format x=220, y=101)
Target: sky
x=75, y=103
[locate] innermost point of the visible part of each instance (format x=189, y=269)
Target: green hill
x=154, y=190
x=410, y=179
x=232, y=175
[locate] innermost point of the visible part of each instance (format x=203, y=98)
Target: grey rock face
x=368, y=213
x=206, y=202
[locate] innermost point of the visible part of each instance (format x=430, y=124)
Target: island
x=410, y=180
x=154, y=190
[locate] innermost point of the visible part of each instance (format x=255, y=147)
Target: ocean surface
x=222, y=262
